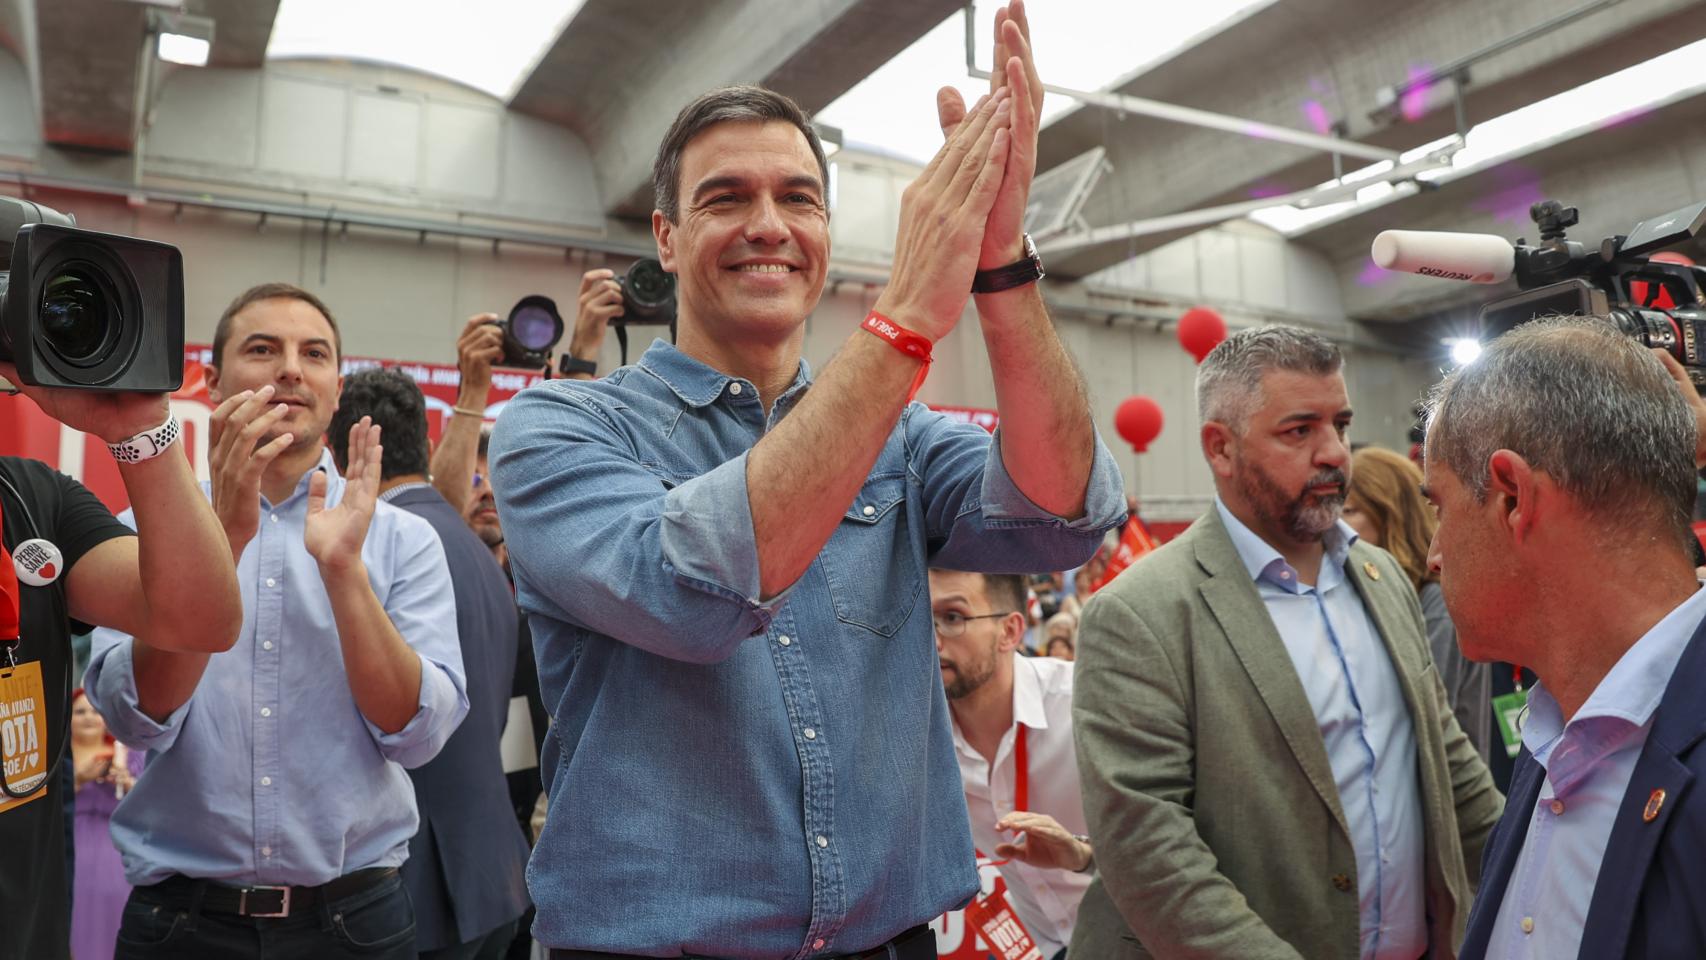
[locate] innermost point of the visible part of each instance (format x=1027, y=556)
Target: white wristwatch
x=148, y=444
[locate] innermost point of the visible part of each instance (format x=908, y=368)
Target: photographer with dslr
x=1563, y=465
x=723, y=557
x=69, y=563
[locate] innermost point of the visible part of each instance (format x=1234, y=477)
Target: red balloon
x=1638, y=288
x=1200, y=331
x=1138, y=420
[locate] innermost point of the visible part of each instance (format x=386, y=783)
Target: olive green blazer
x=1211, y=804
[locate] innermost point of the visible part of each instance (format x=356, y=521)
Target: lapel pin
x=1372, y=570
x=1654, y=803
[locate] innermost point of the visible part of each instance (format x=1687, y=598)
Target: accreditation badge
x=23, y=734
x=1000, y=928
x=1508, y=709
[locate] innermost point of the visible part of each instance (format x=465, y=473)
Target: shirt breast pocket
x=875, y=574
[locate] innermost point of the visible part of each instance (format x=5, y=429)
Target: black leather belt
x=267, y=901
x=918, y=938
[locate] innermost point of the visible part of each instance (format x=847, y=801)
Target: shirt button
x=734, y=389
x=266, y=851
x=1557, y=806
x=783, y=640
x=266, y=711
x=822, y=840
x=869, y=511
x=271, y=582
x=1284, y=575
x=266, y=781
x=274, y=517
x=266, y=644
x=817, y=944
x=810, y=733
x=1527, y=924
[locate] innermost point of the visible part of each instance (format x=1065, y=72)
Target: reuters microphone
x=1474, y=257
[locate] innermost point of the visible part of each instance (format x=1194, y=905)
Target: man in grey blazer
x=1271, y=767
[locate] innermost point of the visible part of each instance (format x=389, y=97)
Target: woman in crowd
x=1060, y=636
x=105, y=772
x=1386, y=507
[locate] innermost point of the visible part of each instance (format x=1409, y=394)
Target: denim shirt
x=729, y=777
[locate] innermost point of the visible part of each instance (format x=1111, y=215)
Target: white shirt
x=1588, y=764
x=1365, y=725
x=1046, y=901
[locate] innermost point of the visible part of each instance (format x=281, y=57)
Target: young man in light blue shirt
x=274, y=809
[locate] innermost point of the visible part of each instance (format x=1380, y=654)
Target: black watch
x=567, y=365
x=1016, y=274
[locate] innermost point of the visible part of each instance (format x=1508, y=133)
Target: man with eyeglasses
x=1012, y=720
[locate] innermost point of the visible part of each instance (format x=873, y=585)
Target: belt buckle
x=283, y=907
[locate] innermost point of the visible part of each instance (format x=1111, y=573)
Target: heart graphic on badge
x=47, y=571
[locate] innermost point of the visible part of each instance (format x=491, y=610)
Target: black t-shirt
x=35, y=921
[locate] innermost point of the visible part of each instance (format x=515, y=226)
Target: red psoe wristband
x=904, y=340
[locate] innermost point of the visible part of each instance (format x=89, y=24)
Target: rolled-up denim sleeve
x=110, y=683
x=978, y=519
x=422, y=606
x=599, y=540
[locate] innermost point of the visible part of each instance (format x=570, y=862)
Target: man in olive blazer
x=1211, y=800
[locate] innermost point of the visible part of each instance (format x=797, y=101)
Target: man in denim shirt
x=724, y=559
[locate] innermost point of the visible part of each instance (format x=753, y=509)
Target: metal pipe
x=1216, y=121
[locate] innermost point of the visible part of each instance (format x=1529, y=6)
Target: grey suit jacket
x=1211, y=804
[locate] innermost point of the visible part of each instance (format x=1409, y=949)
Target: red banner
x=27, y=432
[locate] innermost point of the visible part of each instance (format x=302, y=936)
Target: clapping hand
x=335, y=535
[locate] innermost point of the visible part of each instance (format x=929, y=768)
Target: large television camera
x=1658, y=302
x=88, y=310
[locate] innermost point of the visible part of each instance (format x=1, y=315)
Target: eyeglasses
x=950, y=625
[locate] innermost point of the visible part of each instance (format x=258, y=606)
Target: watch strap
x=1027, y=269
x=148, y=444
x=568, y=364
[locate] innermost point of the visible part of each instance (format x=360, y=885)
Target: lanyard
x=1022, y=773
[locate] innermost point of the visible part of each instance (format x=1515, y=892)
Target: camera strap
x=622, y=337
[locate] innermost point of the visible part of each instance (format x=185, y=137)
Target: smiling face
x=1290, y=467
x=289, y=344
x=750, y=247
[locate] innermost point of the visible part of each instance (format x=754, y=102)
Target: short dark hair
x=394, y=401
x=485, y=444
x=271, y=291
x=724, y=105
x=1006, y=591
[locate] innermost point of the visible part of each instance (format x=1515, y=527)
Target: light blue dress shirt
x=1348, y=676
x=1588, y=763
x=727, y=777
x=270, y=774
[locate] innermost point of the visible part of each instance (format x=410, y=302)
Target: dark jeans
x=378, y=922
x=915, y=944
x=492, y=946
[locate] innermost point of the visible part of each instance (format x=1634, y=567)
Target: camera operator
x=723, y=558
x=1562, y=462
x=170, y=582
x=275, y=809
x=481, y=347
x=465, y=868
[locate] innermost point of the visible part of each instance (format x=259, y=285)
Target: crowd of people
x=797, y=654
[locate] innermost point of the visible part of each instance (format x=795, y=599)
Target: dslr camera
x=88, y=310
x=1658, y=302
x=534, y=324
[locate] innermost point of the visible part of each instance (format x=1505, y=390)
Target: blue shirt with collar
x=729, y=777
x=1353, y=688
x=1588, y=764
x=270, y=774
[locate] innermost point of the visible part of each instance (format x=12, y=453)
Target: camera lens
x=649, y=284
x=78, y=314
x=535, y=328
